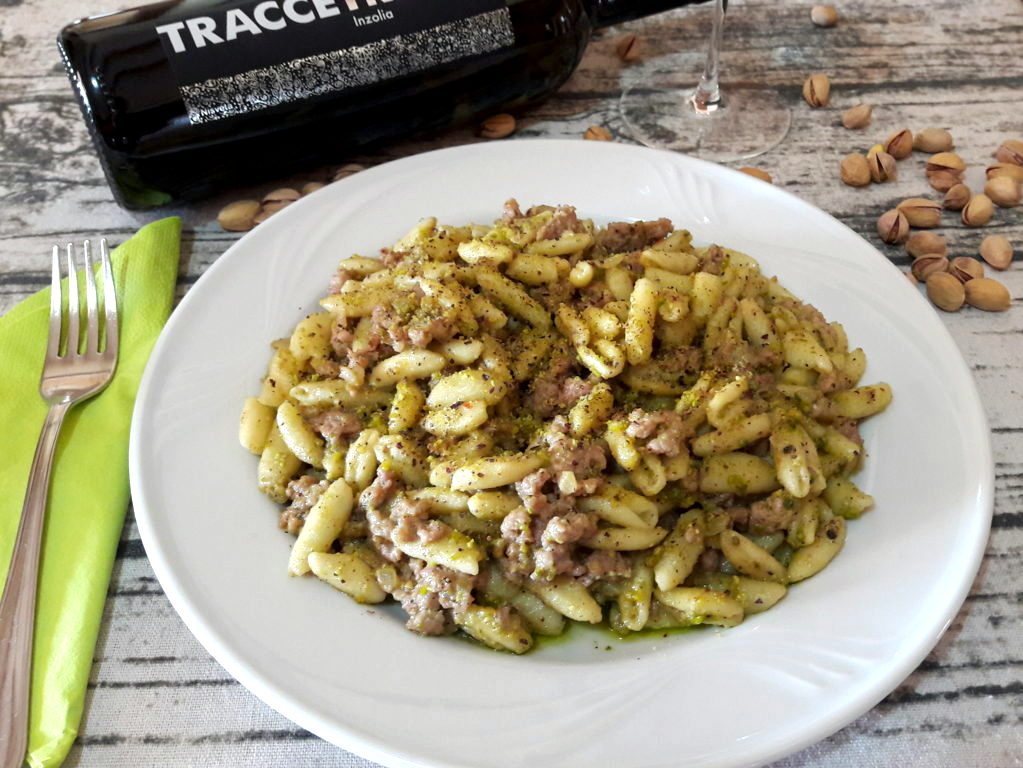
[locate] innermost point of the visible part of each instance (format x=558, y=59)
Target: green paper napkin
x=89, y=484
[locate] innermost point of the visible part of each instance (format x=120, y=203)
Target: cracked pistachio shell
x=956, y=197
x=987, y=294
x=1010, y=151
x=964, y=269
x=933, y=140
x=945, y=291
x=921, y=212
x=1003, y=191
x=996, y=250
x=857, y=117
x=900, y=144
x=945, y=161
x=238, y=216
x=893, y=227
x=927, y=265
x=882, y=165
x=1005, y=169
x=978, y=211
x=855, y=170
x=817, y=90
x=943, y=181
x=920, y=243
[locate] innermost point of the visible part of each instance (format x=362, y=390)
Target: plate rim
x=375, y=749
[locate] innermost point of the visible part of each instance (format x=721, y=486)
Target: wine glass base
x=747, y=123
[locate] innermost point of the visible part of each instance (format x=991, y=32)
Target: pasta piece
x=754, y=595
x=406, y=406
x=802, y=350
x=676, y=557
x=845, y=499
x=441, y=499
x=456, y=419
x=298, y=436
x=281, y=376
x=495, y=471
x=750, y=559
x=349, y=574
x=639, y=327
x=569, y=598
x=737, y=472
x=403, y=456
x=514, y=298
x=462, y=351
x=626, y=539
x=862, y=402
x=702, y=606
x=635, y=597
x=322, y=525
x=620, y=506
x=483, y=623
x=591, y=412
x=466, y=385
x=254, y=425
x=493, y=505
x=733, y=438
x=533, y=269
x=455, y=551
x=277, y=465
x=361, y=460
x=410, y=364
x=311, y=337
x=812, y=559
x=568, y=243
x=795, y=460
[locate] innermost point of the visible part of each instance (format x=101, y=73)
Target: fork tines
x=95, y=343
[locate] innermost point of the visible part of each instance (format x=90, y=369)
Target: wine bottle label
x=248, y=56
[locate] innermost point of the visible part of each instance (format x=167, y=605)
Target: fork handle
x=17, y=606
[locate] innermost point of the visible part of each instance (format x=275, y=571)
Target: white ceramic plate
x=780, y=681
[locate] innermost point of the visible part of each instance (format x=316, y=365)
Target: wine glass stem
x=707, y=96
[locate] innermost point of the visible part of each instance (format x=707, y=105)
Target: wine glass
x=724, y=126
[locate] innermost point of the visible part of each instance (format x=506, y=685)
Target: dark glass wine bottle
x=187, y=97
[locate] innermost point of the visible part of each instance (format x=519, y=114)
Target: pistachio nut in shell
x=855, y=170
x=933, y=140
x=497, y=126
x=987, y=294
x=893, y=227
x=927, y=265
x=1010, y=151
x=956, y=197
x=349, y=169
x=817, y=90
x=945, y=291
x=943, y=181
x=238, y=216
x=921, y=212
x=978, y=211
x=900, y=144
x=311, y=186
x=945, y=161
x=824, y=15
x=282, y=194
x=920, y=243
x=1003, y=191
x=996, y=250
x=964, y=269
x=857, y=117
x=597, y=133
x=628, y=48
x=882, y=165
x=757, y=174
x=1005, y=169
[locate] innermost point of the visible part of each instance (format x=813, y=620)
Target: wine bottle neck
x=608, y=12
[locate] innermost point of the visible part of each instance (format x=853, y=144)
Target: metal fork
x=72, y=372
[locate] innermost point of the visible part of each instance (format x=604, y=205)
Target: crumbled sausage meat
x=625, y=236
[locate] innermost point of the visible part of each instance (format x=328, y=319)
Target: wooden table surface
x=156, y=698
